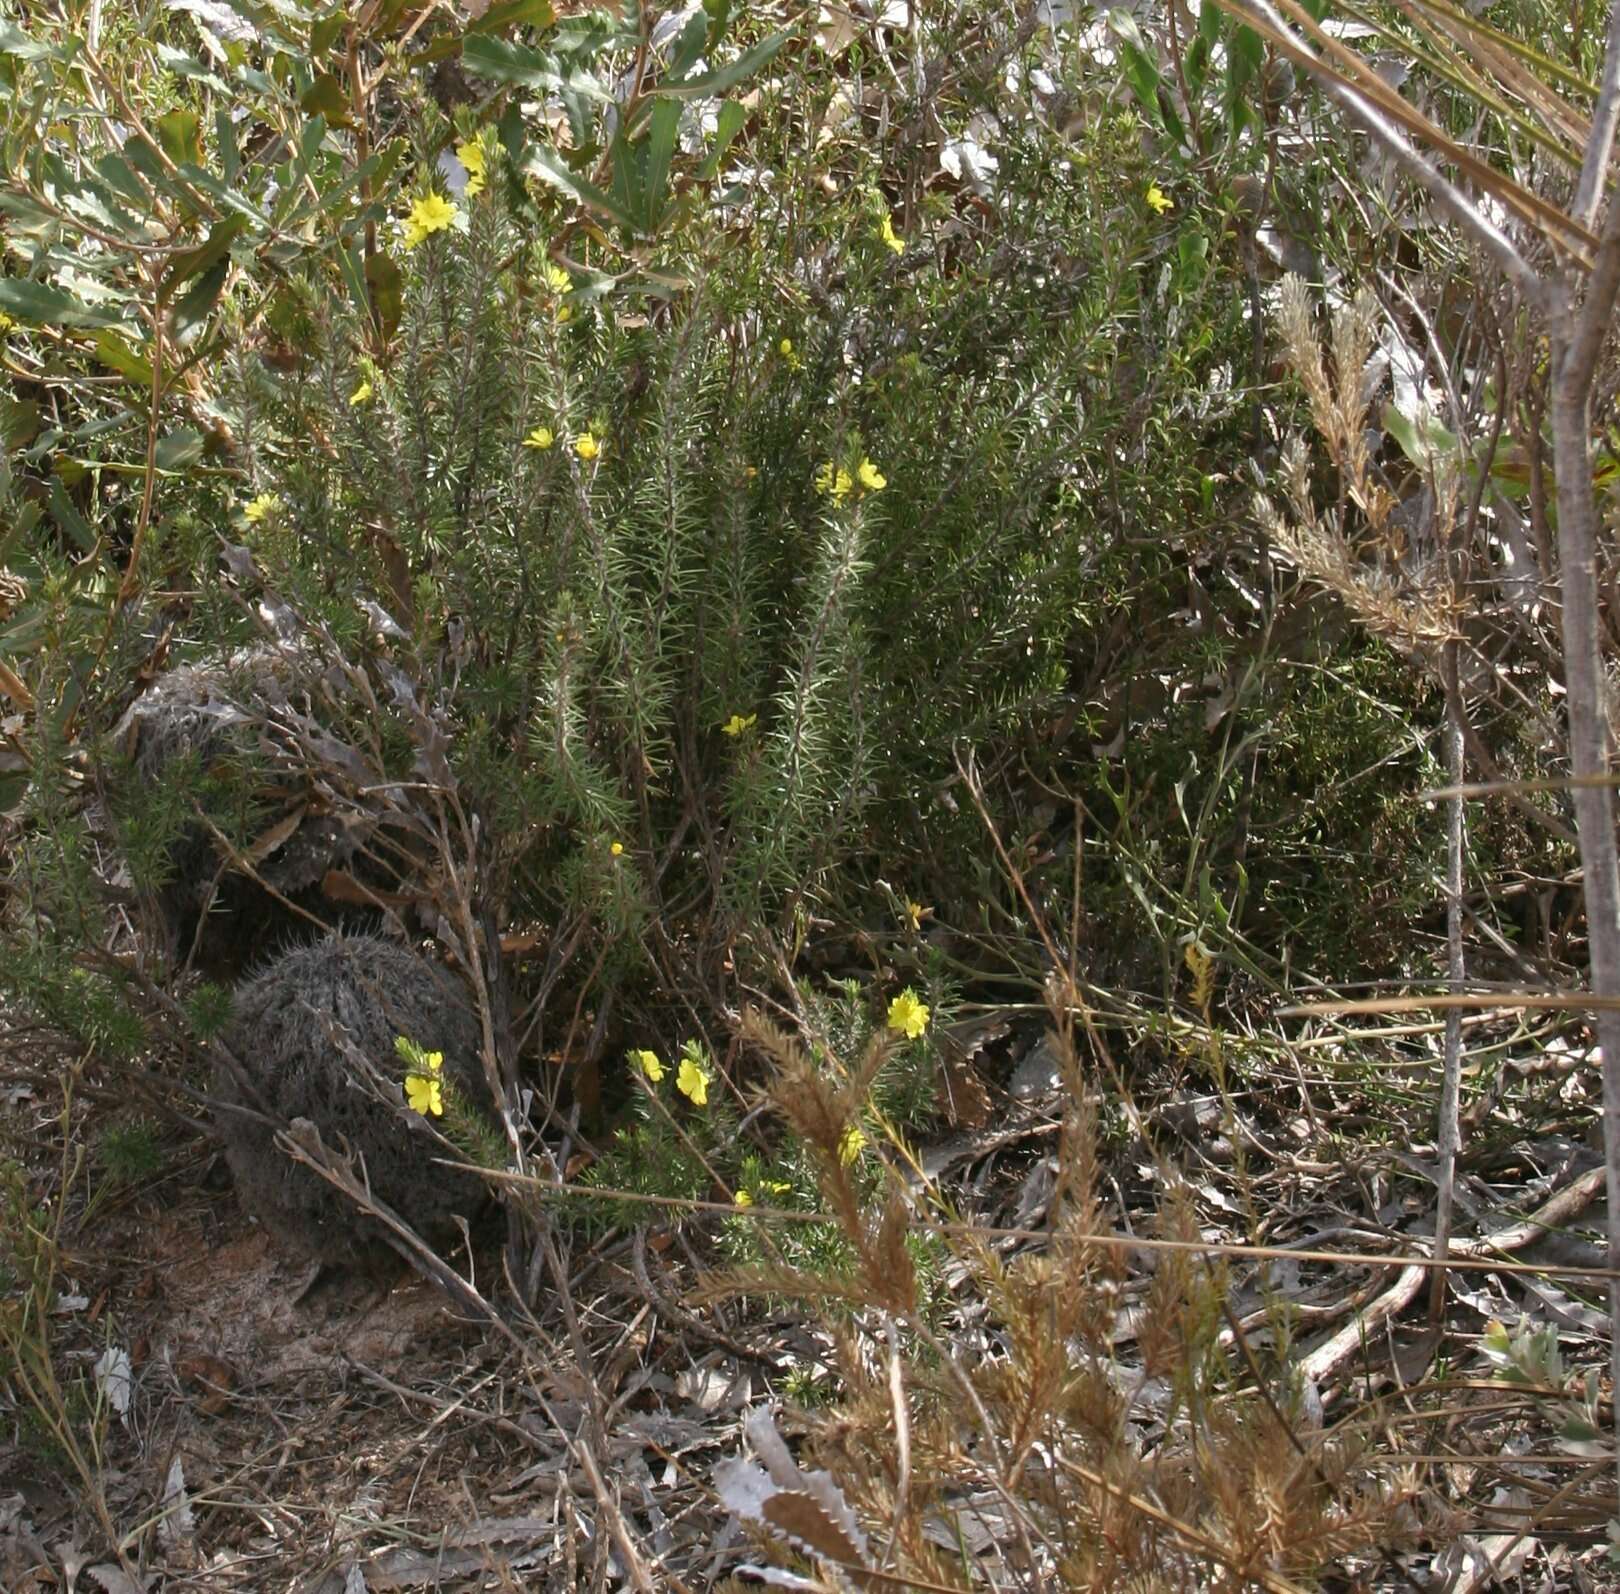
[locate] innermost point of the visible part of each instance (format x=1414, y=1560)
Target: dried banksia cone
x=317, y=1034
x=214, y=717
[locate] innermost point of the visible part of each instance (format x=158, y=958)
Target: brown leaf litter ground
x=356, y=1434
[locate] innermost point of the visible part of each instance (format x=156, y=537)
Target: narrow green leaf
x=206, y=255
x=726, y=77
x=323, y=34
x=515, y=14
x=386, y=285
x=68, y=520
x=13, y=41
x=44, y=305
x=325, y=97
x=179, y=448
x=728, y=124
x=665, y=124
x=198, y=302
x=180, y=134
x=690, y=46
x=118, y=355
x=230, y=159
x=119, y=174
x=188, y=66
x=19, y=422
x=533, y=69
x=550, y=168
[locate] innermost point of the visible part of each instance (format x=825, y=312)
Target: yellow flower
x=425, y=1094
x=786, y=346
x=260, y=508
x=908, y=1016
x=886, y=233
x=471, y=155
x=6, y=323
x=424, y=1089
x=774, y=1186
x=649, y=1064
x=789, y=354
x=565, y=314
x=871, y=477
x=851, y=1144
x=617, y=849
x=361, y=395
x=916, y=913
x=834, y=481
x=743, y=1199
x=587, y=446
x=737, y=724
x=1158, y=200
x=430, y=214
x=692, y=1081
x=540, y=437
x=558, y=280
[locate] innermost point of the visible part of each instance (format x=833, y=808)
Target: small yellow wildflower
x=871, y=478
x=650, y=1064
x=743, y=1199
x=786, y=346
x=774, y=1186
x=834, y=481
x=886, y=233
x=558, y=280
x=692, y=1081
x=425, y=1094
x=430, y=214
x=789, y=354
x=617, y=849
x=6, y=323
x=851, y=1144
x=260, y=508
x=424, y=1088
x=540, y=437
x=565, y=314
x=471, y=155
x=916, y=913
x=737, y=724
x=588, y=446
x=1158, y=200
x=908, y=1016
x=361, y=395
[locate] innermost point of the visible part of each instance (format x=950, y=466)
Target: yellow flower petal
x=617, y=849
x=558, y=280
x=871, y=478
x=692, y=1081
x=361, y=395
x=1158, y=200
x=737, y=724
x=907, y=1015
x=425, y=1094
x=650, y=1064
x=432, y=213
x=888, y=236
x=540, y=437
x=260, y=508
x=472, y=157
x=850, y=1146
x=743, y=1199
x=587, y=446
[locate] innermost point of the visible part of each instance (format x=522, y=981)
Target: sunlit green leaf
x=44, y=305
